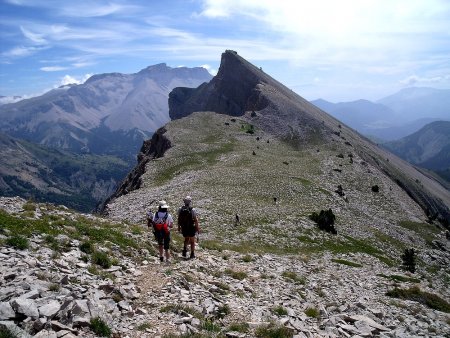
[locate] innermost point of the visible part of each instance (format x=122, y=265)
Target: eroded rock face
x=232, y=91
x=241, y=87
x=151, y=149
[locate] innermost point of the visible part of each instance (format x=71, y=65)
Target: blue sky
x=336, y=50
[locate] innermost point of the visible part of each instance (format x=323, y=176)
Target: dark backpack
x=185, y=218
x=160, y=223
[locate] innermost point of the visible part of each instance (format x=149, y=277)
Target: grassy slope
x=217, y=167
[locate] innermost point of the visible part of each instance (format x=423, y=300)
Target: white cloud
x=34, y=37
x=86, y=77
x=211, y=70
x=10, y=99
x=68, y=79
x=87, y=9
x=16, y=98
x=58, y=29
x=383, y=40
x=19, y=51
x=382, y=30
x=172, y=33
x=414, y=79
x=53, y=68
x=352, y=17
x=82, y=64
x=217, y=8
x=91, y=9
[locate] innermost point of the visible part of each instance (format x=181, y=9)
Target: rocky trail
x=220, y=293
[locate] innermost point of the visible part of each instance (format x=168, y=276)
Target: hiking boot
x=161, y=259
x=184, y=253
x=192, y=255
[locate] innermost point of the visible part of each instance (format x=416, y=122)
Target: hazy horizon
x=337, y=51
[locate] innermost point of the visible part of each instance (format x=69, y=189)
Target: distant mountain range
x=81, y=140
x=392, y=117
x=108, y=114
x=428, y=148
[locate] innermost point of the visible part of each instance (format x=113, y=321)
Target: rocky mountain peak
x=240, y=87
x=162, y=69
x=232, y=91
x=99, y=77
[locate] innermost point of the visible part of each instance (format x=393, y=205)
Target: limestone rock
x=45, y=334
x=6, y=311
x=78, y=321
x=50, y=309
x=12, y=327
x=26, y=307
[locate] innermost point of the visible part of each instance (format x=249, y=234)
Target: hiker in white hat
x=162, y=224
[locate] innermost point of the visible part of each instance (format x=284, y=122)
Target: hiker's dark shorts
x=188, y=232
x=163, y=238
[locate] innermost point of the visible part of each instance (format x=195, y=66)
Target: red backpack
x=160, y=223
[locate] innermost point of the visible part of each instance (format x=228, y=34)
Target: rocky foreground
x=59, y=293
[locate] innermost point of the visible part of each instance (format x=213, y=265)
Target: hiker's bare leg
x=167, y=255
x=192, y=240
x=186, y=241
x=160, y=247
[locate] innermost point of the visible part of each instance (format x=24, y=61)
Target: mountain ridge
x=429, y=147
x=241, y=87
x=414, y=102
x=131, y=106
x=289, y=116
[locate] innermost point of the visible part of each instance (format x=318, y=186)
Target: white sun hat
x=163, y=205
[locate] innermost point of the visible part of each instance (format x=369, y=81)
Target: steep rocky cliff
x=151, y=149
x=241, y=87
x=232, y=91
